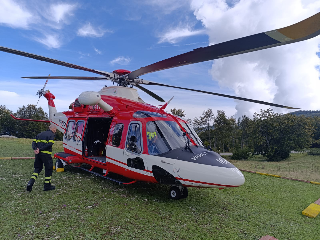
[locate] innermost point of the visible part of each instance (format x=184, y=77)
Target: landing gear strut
x=178, y=192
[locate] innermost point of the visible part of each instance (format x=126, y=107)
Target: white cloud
x=13, y=100
x=15, y=15
x=50, y=40
x=177, y=34
x=7, y=94
x=88, y=30
x=284, y=75
x=167, y=6
x=121, y=60
x=40, y=17
x=59, y=12
x=97, y=51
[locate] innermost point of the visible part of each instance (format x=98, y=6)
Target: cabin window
x=163, y=136
x=134, y=141
x=70, y=130
x=117, y=134
x=146, y=114
x=79, y=131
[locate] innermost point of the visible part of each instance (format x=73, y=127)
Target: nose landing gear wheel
x=177, y=193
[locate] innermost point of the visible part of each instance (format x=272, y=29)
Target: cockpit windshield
x=192, y=133
x=164, y=136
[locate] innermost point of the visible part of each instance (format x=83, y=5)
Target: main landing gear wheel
x=177, y=193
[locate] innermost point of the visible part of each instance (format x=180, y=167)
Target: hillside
x=307, y=113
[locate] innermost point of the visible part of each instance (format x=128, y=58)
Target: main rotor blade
x=300, y=31
x=54, y=61
x=152, y=94
x=69, y=77
x=221, y=95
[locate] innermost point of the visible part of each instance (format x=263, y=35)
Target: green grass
x=87, y=207
x=298, y=165
x=21, y=147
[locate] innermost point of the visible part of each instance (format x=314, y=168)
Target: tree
x=178, y=112
x=27, y=129
x=245, y=125
x=275, y=135
x=203, y=128
x=7, y=124
x=224, y=131
x=315, y=121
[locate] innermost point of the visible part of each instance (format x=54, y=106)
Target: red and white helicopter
x=116, y=131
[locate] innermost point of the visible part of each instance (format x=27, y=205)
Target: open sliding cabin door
x=95, y=137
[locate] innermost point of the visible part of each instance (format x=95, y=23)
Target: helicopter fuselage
x=141, y=142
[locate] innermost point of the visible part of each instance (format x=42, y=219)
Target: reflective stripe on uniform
x=47, y=152
x=35, y=175
x=151, y=135
x=47, y=179
x=45, y=141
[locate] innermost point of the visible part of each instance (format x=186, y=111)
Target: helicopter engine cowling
x=93, y=98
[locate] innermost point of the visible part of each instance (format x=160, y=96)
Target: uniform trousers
x=46, y=160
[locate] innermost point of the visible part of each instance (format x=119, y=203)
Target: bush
x=314, y=151
x=240, y=154
x=277, y=154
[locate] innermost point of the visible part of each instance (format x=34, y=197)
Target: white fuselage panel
x=123, y=92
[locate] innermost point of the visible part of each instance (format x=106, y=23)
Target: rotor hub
x=121, y=72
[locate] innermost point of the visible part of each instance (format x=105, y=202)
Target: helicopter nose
x=230, y=177
x=199, y=167
x=210, y=176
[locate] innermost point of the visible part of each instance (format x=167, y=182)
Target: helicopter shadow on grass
x=146, y=191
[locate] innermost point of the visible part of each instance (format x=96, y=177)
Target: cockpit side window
x=157, y=143
x=163, y=136
x=117, y=134
x=134, y=139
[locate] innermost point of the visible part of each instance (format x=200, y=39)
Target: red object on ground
x=268, y=238
x=317, y=202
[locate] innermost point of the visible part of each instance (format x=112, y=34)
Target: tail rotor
x=41, y=91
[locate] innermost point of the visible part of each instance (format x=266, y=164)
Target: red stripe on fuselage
x=59, y=126
x=215, y=184
x=72, y=147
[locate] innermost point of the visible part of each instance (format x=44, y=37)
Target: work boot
x=30, y=184
x=48, y=187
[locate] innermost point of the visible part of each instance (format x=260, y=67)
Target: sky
x=129, y=34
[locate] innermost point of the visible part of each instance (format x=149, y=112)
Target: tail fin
x=57, y=118
x=52, y=108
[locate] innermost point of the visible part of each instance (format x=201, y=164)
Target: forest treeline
x=267, y=133
x=24, y=129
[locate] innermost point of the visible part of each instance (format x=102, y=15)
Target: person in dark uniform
x=42, y=147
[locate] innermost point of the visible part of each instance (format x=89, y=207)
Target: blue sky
x=109, y=35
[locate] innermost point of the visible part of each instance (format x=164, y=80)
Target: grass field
x=299, y=166
x=87, y=207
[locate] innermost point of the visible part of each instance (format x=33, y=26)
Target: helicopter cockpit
x=164, y=136
x=163, y=133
